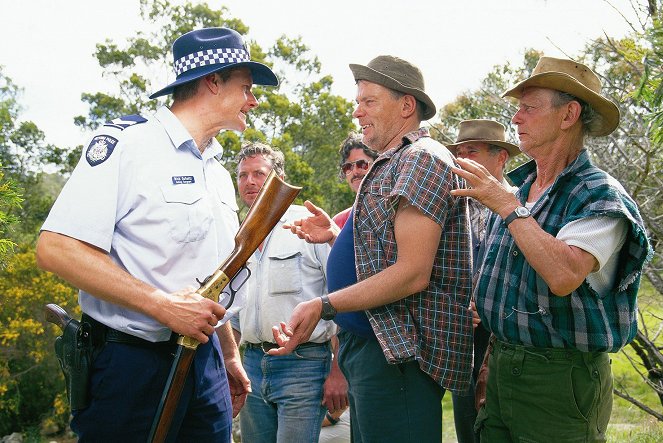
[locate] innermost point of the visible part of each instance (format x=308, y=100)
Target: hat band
x=211, y=57
x=476, y=138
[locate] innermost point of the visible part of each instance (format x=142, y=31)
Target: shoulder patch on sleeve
x=124, y=122
x=100, y=148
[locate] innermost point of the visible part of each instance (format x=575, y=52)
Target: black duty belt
x=103, y=334
x=266, y=345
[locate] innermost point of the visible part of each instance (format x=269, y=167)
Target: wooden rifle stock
x=274, y=198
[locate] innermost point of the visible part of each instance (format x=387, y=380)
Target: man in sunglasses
x=356, y=158
x=406, y=332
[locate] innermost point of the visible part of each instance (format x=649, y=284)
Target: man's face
x=235, y=100
x=251, y=174
x=379, y=115
x=354, y=166
x=538, y=121
x=481, y=153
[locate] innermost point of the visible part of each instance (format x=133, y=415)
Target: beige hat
x=576, y=79
x=397, y=74
x=484, y=131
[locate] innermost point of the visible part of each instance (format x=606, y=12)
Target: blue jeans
x=388, y=403
x=285, y=404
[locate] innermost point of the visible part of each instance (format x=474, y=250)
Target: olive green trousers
x=546, y=396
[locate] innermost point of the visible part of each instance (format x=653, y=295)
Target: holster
x=74, y=352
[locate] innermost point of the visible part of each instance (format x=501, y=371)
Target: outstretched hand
x=318, y=228
x=303, y=321
x=484, y=187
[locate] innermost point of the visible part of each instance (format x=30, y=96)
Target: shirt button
x=515, y=253
x=515, y=371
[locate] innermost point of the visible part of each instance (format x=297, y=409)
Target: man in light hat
x=405, y=265
x=483, y=141
x=147, y=211
x=561, y=266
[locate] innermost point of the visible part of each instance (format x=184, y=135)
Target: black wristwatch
x=328, y=311
x=520, y=212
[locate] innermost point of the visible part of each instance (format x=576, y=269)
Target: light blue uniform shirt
x=164, y=212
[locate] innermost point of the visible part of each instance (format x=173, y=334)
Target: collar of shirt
x=524, y=175
x=180, y=136
x=407, y=139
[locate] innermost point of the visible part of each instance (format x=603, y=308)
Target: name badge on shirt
x=183, y=179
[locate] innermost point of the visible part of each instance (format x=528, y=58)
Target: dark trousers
x=398, y=402
x=465, y=414
x=126, y=386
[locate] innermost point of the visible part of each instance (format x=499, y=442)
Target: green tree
x=301, y=116
x=31, y=385
x=23, y=154
x=10, y=199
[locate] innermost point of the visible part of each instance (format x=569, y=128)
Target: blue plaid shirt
x=433, y=326
x=515, y=303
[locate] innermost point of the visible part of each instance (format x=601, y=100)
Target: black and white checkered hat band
x=211, y=57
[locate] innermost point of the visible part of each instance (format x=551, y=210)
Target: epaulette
x=126, y=121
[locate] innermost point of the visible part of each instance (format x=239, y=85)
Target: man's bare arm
x=561, y=266
x=92, y=270
x=417, y=239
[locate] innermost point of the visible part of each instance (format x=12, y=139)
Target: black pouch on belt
x=74, y=352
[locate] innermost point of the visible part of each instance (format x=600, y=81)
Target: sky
x=47, y=46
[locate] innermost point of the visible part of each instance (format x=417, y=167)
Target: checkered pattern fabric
x=515, y=303
x=218, y=56
x=432, y=326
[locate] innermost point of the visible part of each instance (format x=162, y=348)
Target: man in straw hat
x=146, y=212
x=483, y=141
x=561, y=266
x=403, y=267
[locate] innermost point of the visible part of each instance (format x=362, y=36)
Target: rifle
x=272, y=201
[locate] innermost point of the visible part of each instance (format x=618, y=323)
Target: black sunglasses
x=362, y=164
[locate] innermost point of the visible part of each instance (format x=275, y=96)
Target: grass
x=628, y=423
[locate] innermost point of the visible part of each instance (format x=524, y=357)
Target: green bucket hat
x=399, y=75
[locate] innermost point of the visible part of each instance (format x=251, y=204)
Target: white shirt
x=287, y=271
x=601, y=236
x=163, y=212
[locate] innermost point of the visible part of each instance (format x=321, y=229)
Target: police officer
x=148, y=210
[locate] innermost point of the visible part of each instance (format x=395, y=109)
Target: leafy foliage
x=23, y=155
x=29, y=373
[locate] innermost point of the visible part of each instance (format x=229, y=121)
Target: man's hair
x=420, y=106
x=589, y=118
x=188, y=90
x=274, y=156
x=353, y=141
x=494, y=150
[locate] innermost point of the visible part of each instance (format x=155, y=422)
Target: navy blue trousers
x=126, y=387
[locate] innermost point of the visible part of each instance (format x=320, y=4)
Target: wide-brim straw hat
x=576, y=79
x=399, y=75
x=483, y=131
x=204, y=51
